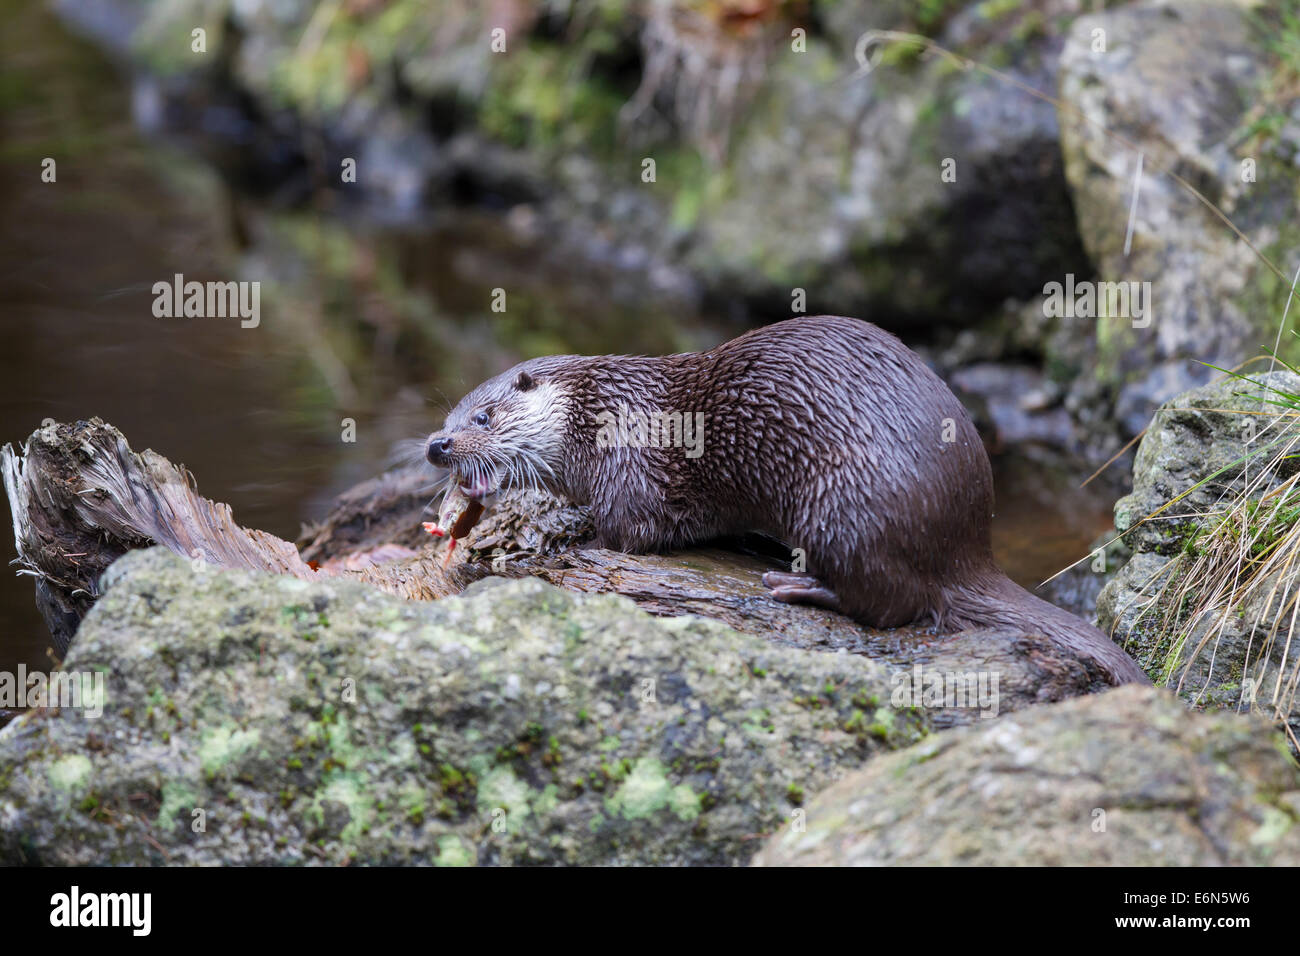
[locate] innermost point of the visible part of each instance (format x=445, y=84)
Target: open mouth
x=479, y=487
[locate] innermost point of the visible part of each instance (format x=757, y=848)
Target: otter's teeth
x=479, y=490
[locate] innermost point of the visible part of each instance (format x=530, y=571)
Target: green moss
x=338, y=737
x=900, y=54
x=1263, y=299
x=451, y=779
x=883, y=723
x=553, y=756
x=413, y=802
x=997, y=9
x=542, y=96
x=931, y=14
x=1276, y=26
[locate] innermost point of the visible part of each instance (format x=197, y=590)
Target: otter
x=824, y=432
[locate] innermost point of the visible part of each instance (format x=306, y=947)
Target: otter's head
x=507, y=433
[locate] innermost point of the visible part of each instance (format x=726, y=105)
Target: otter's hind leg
x=801, y=589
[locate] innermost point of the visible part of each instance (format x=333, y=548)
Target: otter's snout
x=439, y=451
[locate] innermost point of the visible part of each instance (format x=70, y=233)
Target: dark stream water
x=359, y=320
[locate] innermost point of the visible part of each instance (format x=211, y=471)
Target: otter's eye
x=481, y=419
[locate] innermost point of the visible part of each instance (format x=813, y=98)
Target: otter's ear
x=523, y=382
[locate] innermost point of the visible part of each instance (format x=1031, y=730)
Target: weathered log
x=81, y=498
x=1026, y=668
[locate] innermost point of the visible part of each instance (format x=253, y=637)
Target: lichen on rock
x=253, y=718
x=1177, y=85
x=1124, y=778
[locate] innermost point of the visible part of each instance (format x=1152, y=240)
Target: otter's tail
x=997, y=600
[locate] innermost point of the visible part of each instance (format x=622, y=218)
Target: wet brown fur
x=825, y=432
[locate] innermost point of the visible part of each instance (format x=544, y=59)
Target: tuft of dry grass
x=1242, y=561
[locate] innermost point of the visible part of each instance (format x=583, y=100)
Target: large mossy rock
x=1185, y=84
x=327, y=722
x=1125, y=778
x=917, y=192
x=1207, y=433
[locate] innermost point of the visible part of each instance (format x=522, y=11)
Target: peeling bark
x=81, y=498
